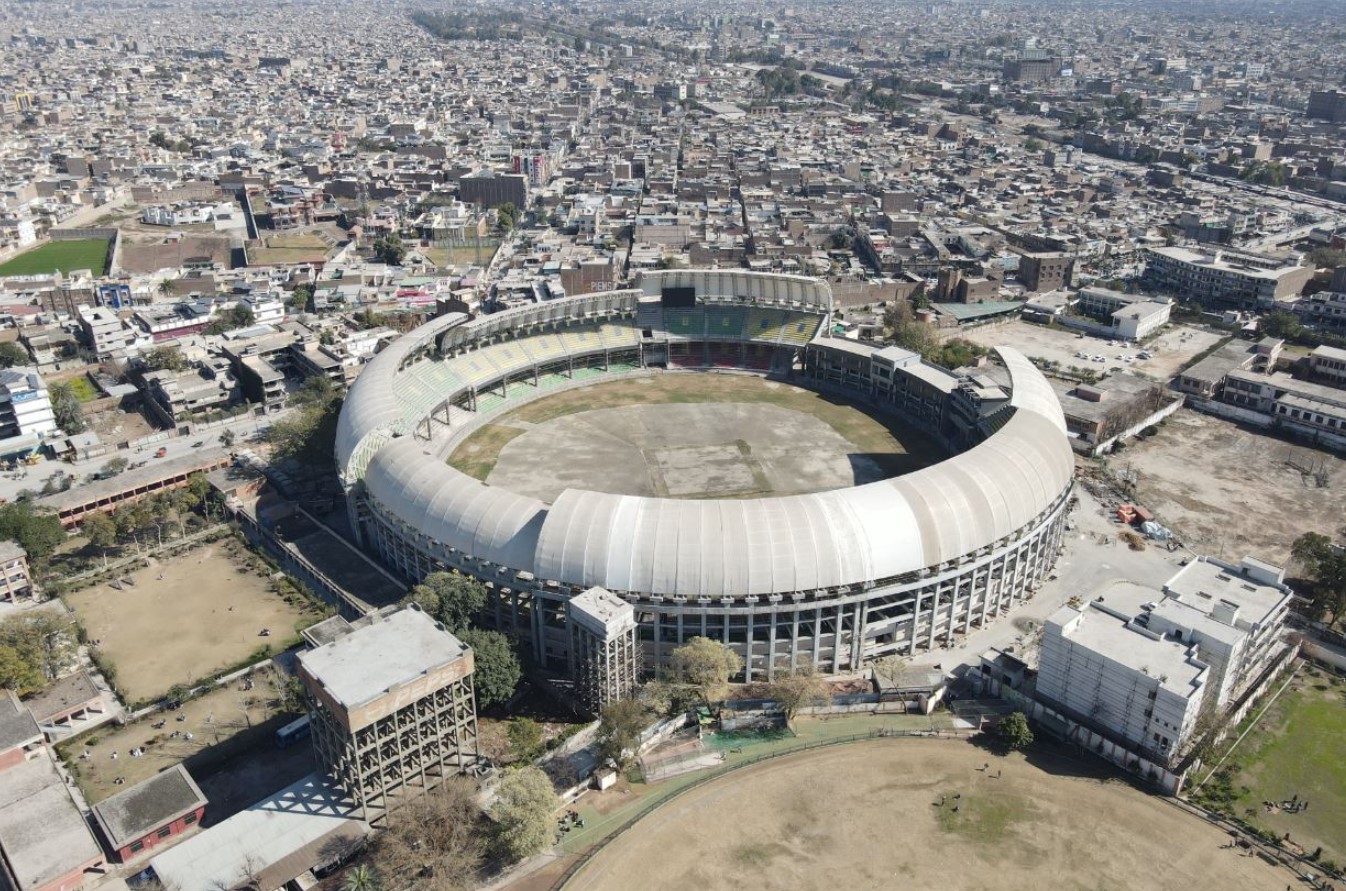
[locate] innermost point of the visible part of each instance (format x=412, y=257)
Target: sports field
x=185, y=619
x=910, y=813
x=89, y=253
x=690, y=436
x=1293, y=751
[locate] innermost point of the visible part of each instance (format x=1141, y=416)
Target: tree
x=12, y=353
x=100, y=530
x=1327, y=258
x=508, y=215
x=166, y=358
x=450, y=597
x=523, y=812
x=389, y=249
x=43, y=639
x=1324, y=565
x=706, y=665
x=796, y=689
x=18, y=673
x=1032, y=145
x=112, y=468
x=497, y=669
x=525, y=738
x=362, y=878
x=165, y=288
x=619, y=729
x=1281, y=324
x=227, y=439
x=234, y=317
x=65, y=406
x=299, y=300
x=434, y=842
x=1013, y=732
x=37, y=533
x=308, y=435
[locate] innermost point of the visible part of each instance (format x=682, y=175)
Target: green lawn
x=1297, y=748
x=83, y=388
x=89, y=253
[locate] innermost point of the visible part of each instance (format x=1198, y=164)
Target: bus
x=292, y=733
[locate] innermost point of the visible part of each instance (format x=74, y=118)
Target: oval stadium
x=831, y=578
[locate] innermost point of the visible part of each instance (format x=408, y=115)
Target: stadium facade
x=831, y=579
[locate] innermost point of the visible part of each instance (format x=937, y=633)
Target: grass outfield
x=874, y=435
x=915, y=814
x=88, y=253
x=1296, y=748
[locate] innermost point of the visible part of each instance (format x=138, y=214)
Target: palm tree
x=362, y=878
x=165, y=288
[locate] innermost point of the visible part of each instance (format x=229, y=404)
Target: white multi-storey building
x=1140, y=664
x=25, y=407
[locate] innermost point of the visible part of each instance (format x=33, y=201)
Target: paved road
x=1085, y=568
x=25, y=477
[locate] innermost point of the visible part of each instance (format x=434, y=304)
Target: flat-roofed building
x=1235, y=614
x=1328, y=365
x=392, y=707
x=1102, y=667
x=1236, y=279
x=45, y=845
x=20, y=737
x=16, y=582
x=308, y=825
x=151, y=813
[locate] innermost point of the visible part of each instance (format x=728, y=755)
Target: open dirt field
x=149, y=254
x=1228, y=491
x=1170, y=350
x=220, y=719
x=868, y=815
x=690, y=436
x=184, y=619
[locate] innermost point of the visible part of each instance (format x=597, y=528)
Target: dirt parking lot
x=1228, y=491
x=215, y=718
x=183, y=620
x=1170, y=351
x=921, y=814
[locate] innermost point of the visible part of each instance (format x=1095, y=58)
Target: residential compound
x=1140, y=665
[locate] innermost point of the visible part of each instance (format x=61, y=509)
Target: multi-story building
x=1103, y=668
x=1310, y=410
x=25, y=407
x=1046, y=271
x=177, y=395
x=1234, y=614
x=1325, y=311
x=1327, y=105
x=1140, y=664
x=16, y=582
x=1237, y=279
x=489, y=189
x=604, y=651
x=1328, y=364
x=106, y=334
x=1128, y=316
x=392, y=708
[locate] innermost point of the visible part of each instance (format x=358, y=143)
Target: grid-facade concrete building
x=1234, y=279
x=604, y=652
x=392, y=708
x=830, y=579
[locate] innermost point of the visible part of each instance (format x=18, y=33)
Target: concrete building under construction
x=392, y=708
x=604, y=658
